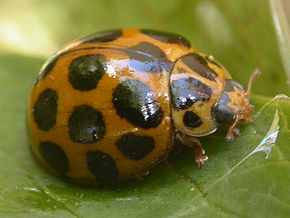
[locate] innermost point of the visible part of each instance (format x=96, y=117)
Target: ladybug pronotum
x=108, y=107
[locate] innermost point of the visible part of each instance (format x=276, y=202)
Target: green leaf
x=237, y=182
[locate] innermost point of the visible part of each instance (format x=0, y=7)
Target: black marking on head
x=230, y=84
x=166, y=37
x=86, y=125
x=199, y=65
x=86, y=71
x=102, y=166
x=135, y=102
x=45, y=109
x=54, y=156
x=191, y=120
x=47, y=68
x=221, y=112
x=148, y=58
x=135, y=147
x=104, y=36
x=186, y=91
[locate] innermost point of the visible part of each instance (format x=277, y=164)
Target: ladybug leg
x=233, y=130
x=140, y=178
x=193, y=142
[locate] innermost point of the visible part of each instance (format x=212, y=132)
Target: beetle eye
x=221, y=112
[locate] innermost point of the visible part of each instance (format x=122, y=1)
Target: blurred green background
x=241, y=34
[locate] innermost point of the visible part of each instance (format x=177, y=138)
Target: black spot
x=186, y=91
x=86, y=71
x=86, y=125
x=230, y=84
x=104, y=36
x=221, y=112
x=148, y=49
x=148, y=58
x=197, y=58
x=191, y=119
x=102, y=166
x=54, y=156
x=135, y=147
x=45, y=109
x=135, y=102
x=199, y=65
x=166, y=37
x=47, y=68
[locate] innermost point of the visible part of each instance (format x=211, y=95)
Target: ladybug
x=109, y=106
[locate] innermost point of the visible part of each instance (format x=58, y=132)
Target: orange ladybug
x=109, y=106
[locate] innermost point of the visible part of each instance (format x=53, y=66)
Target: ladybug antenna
x=255, y=74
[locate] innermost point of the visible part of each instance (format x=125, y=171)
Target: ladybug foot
x=233, y=131
x=231, y=134
x=200, y=157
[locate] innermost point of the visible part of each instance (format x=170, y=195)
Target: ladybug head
x=234, y=106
